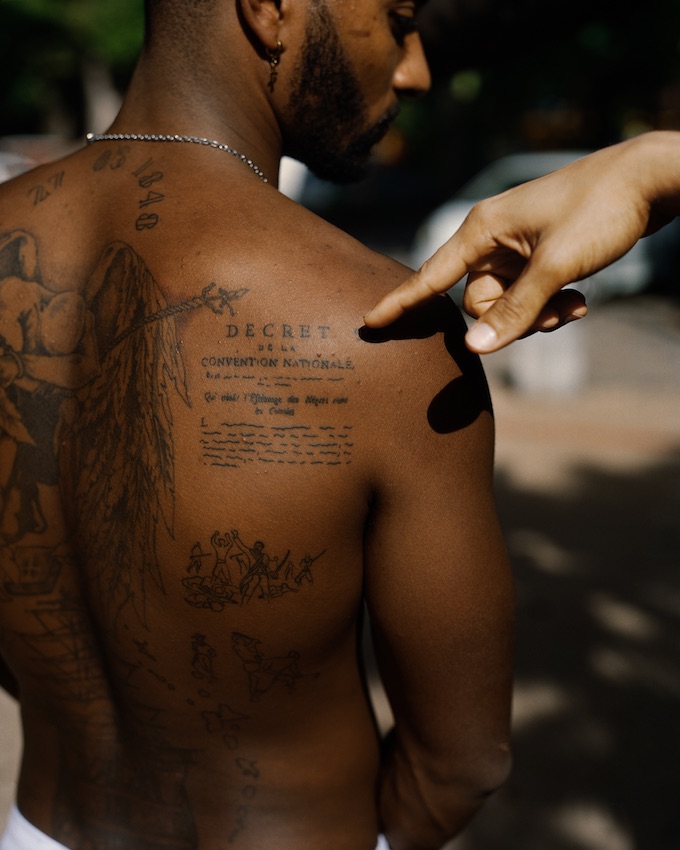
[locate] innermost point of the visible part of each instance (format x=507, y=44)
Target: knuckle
x=510, y=309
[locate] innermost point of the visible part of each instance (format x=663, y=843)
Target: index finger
x=438, y=274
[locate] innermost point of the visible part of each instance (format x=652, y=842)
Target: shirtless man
x=224, y=382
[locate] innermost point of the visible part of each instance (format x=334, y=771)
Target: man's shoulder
x=319, y=255
x=311, y=267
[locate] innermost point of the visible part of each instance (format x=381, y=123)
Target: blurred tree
x=63, y=61
x=510, y=75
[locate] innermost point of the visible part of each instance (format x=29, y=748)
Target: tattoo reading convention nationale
x=262, y=392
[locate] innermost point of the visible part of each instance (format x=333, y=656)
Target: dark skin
x=235, y=470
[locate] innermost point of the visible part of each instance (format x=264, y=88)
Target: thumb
x=513, y=314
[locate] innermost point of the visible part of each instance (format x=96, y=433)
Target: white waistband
x=20, y=834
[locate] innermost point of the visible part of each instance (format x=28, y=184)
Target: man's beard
x=326, y=126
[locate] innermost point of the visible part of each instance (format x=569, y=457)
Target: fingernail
x=481, y=337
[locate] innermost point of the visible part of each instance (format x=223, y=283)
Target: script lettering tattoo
x=267, y=392
x=112, y=160
x=265, y=673
x=87, y=374
x=43, y=191
x=148, y=177
x=231, y=572
x=233, y=445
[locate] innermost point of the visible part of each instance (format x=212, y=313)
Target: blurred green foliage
x=508, y=75
x=44, y=48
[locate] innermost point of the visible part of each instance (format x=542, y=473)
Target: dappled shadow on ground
x=597, y=707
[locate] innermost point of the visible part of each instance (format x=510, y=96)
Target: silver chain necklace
x=144, y=137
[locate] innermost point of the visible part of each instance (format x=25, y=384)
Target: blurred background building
x=588, y=419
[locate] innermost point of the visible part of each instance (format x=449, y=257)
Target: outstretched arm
x=522, y=247
x=438, y=585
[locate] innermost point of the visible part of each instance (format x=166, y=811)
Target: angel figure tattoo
x=87, y=373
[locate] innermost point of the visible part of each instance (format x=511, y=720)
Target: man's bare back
x=207, y=469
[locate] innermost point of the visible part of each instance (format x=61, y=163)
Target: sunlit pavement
x=588, y=482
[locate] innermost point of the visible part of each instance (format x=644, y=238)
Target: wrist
x=657, y=166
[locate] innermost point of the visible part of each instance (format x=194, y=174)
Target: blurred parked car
x=631, y=274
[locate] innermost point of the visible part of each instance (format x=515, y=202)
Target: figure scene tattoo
x=266, y=672
x=225, y=722
x=87, y=376
x=202, y=662
x=232, y=572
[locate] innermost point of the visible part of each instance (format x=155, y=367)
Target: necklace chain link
x=196, y=140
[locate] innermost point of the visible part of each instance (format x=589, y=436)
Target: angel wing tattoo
x=87, y=379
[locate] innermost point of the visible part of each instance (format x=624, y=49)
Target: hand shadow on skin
x=464, y=398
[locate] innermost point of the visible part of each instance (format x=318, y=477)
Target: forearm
x=522, y=247
x=421, y=807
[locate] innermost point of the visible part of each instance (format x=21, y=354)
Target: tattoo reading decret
x=267, y=393
x=231, y=572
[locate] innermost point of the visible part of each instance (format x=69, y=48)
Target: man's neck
x=237, y=114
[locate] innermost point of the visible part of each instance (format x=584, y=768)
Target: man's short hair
x=175, y=18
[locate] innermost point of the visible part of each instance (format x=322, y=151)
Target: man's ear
x=263, y=18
